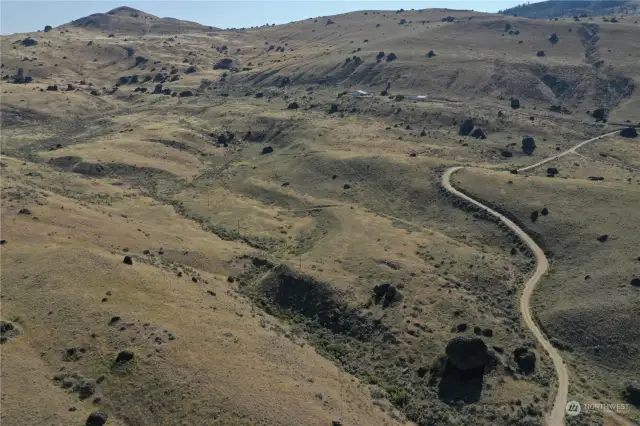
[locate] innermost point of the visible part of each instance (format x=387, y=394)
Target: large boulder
x=29, y=42
x=224, y=64
x=478, y=133
x=632, y=394
x=515, y=103
x=124, y=356
x=97, y=418
x=629, y=132
x=466, y=128
x=386, y=293
x=528, y=145
x=525, y=359
x=467, y=353
x=599, y=114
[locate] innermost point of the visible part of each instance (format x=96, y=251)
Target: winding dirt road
x=556, y=417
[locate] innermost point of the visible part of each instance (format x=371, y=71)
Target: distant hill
x=127, y=20
x=569, y=8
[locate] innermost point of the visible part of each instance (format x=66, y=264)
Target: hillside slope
x=294, y=259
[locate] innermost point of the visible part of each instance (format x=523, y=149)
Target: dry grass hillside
x=208, y=227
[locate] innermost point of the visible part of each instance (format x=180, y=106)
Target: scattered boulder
x=379, y=56
x=94, y=93
x=552, y=171
x=97, y=418
x=267, y=150
x=467, y=353
x=534, y=216
x=603, y=238
x=190, y=70
x=24, y=211
x=635, y=282
x=53, y=88
x=186, y=93
x=224, y=64
x=554, y=38
x=431, y=54
x=629, y=132
x=293, y=105
x=478, y=133
x=596, y=178
x=599, y=114
x=29, y=42
x=85, y=388
x=386, y=293
x=70, y=87
x=540, y=53
x=559, y=108
x=5, y=326
x=157, y=89
x=515, y=103
x=528, y=145
x=391, y=57
x=124, y=356
x=89, y=169
x=525, y=359
x=127, y=260
x=544, y=211
x=466, y=128
x=632, y=394
x=402, y=21
x=506, y=154
x=329, y=22
x=20, y=78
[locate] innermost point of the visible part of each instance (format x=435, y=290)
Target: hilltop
x=574, y=8
x=127, y=20
x=248, y=226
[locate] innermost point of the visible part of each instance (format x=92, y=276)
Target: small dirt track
x=556, y=417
